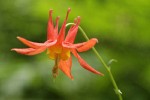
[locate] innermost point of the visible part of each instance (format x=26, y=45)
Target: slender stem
x=118, y=92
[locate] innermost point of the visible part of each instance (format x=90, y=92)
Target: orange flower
x=58, y=48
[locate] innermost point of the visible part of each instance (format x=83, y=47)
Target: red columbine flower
x=58, y=48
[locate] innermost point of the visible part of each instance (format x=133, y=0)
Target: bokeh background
x=123, y=30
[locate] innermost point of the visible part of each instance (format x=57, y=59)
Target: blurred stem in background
x=107, y=67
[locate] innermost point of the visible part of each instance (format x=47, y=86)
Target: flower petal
x=72, y=32
x=56, y=27
x=65, y=66
x=24, y=51
x=37, y=51
x=29, y=51
x=49, y=43
x=84, y=64
x=70, y=45
x=42, y=48
x=62, y=30
x=29, y=43
x=34, y=51
x=50, y=27
x=88, y=45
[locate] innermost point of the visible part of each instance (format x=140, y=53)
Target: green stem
x=118, y=92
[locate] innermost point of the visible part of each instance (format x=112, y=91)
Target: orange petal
x=70, y=45
x=65, y=66
x=49, y=43
x=88, y=45
x=62, y=30
x=29, y=43
x=56, y=27
x=34, y=51
x=37, y=51
x=50, y=27
x=29, y=51
x=72, y=32
x=24, y=51
x=42, y=48
x=84, y=64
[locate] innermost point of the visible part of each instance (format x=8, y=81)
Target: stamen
x=55, y=71
x=55, y=68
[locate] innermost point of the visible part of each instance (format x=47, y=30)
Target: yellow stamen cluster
x=63, y=53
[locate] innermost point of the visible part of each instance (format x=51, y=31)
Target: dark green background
x=123, y=30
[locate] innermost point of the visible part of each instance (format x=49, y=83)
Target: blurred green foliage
x=122, y=27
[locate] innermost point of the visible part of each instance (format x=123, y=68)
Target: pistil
x=55, y=68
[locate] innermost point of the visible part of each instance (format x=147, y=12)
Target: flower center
x=59, y=50
x=57, y=53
